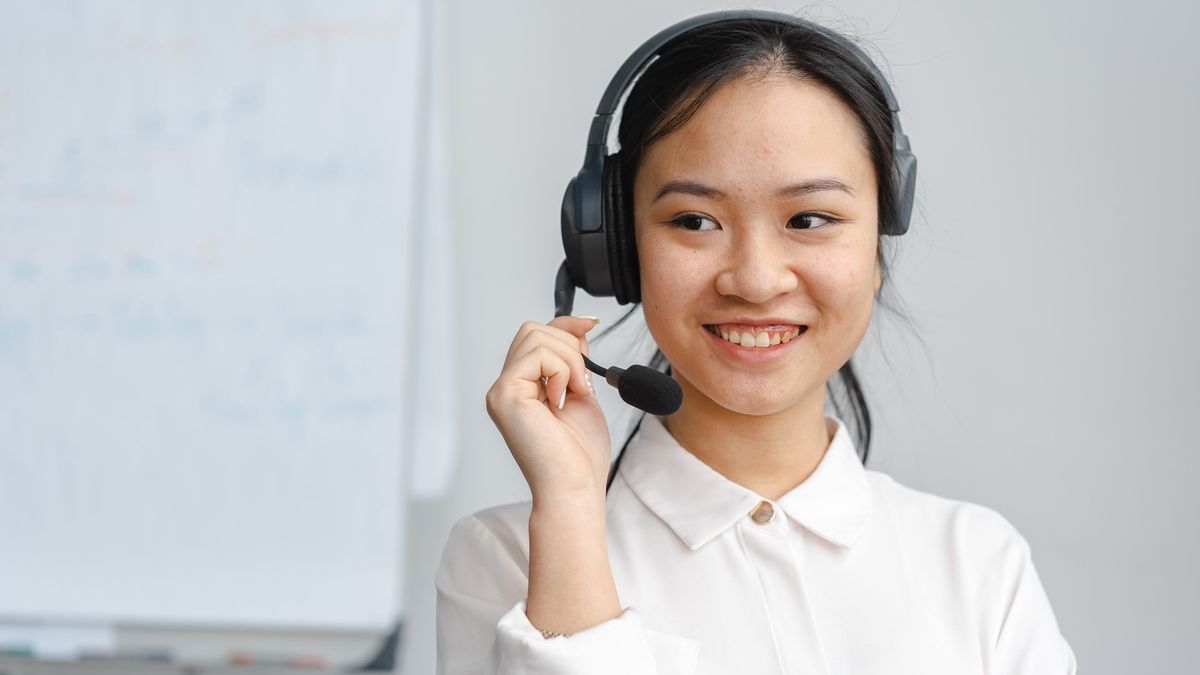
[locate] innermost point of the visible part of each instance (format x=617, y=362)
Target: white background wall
x=1048, y=270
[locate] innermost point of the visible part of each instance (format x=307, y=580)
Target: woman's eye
x=801, y=221
x=693, y=222
x=807, y=219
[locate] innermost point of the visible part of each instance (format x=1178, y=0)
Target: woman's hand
x=564, y=453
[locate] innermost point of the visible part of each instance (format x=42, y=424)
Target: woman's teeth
x=749, y=337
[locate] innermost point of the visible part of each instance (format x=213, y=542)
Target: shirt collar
x=699, y=503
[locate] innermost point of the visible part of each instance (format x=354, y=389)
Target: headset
x=600, y=254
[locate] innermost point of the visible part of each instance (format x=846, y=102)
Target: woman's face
x=748, y=255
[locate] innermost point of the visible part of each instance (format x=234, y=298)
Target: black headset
x=600, y=254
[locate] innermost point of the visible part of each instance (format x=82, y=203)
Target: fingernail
x=562, y=399
x=588, y=378
x=593, y=319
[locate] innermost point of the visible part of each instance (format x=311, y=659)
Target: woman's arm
x=544, y=405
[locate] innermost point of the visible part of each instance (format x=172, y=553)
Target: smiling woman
x=760, y=167
x=769, y=108
x=762, y=261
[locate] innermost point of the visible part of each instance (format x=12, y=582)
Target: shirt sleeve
x=482, y=627
x=1022, y=636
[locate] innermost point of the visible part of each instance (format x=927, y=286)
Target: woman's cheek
x=666, y=272
x=839, y=281
x=677, y=277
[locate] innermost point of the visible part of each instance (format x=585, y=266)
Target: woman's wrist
x=584, y=505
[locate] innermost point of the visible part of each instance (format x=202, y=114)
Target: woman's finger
x=570, y=329
x=578, y=380
x=542, y=363
x=576, y=327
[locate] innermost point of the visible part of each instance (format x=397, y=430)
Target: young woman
x=741, y=534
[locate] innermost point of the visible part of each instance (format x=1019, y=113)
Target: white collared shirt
x=849, y=573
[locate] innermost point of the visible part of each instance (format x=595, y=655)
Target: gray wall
x=1047, y=369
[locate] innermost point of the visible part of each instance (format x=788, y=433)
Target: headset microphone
x=641, y=387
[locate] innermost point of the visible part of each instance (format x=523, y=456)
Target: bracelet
x=549, y=634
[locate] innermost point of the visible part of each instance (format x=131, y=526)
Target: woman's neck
x=768, y=454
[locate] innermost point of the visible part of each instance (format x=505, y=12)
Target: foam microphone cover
x=647, y=389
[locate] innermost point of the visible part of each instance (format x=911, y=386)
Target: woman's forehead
x=759, y=132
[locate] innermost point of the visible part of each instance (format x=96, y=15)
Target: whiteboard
x=204, y=223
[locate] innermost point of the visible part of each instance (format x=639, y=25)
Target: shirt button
x=763, y=513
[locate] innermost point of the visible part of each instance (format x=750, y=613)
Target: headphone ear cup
x=906, y=187
x=618, y=227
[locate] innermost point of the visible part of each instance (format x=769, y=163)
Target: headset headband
x=637, y=61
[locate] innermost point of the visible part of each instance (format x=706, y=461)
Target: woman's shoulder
x=503, y=528
x=506, y=523
x=487, y=553
x=964, y=526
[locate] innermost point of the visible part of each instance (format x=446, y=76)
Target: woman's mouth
x=756, y=337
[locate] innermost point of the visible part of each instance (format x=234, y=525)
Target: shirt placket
x=765, y=534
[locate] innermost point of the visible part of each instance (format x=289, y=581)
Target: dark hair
x=692, y=68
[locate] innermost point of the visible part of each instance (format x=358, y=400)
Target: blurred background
x=260, y=261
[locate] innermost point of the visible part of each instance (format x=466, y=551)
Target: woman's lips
x=756, y=354
x=756, y=337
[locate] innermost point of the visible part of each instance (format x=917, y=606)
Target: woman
x=741, y=534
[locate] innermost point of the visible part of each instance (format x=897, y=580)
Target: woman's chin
x=752, y=402
x=743, y=394
x=757, y=408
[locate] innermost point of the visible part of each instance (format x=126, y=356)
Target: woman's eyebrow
x=691, y=187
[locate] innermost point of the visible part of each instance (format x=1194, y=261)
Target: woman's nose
x=758, y=269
